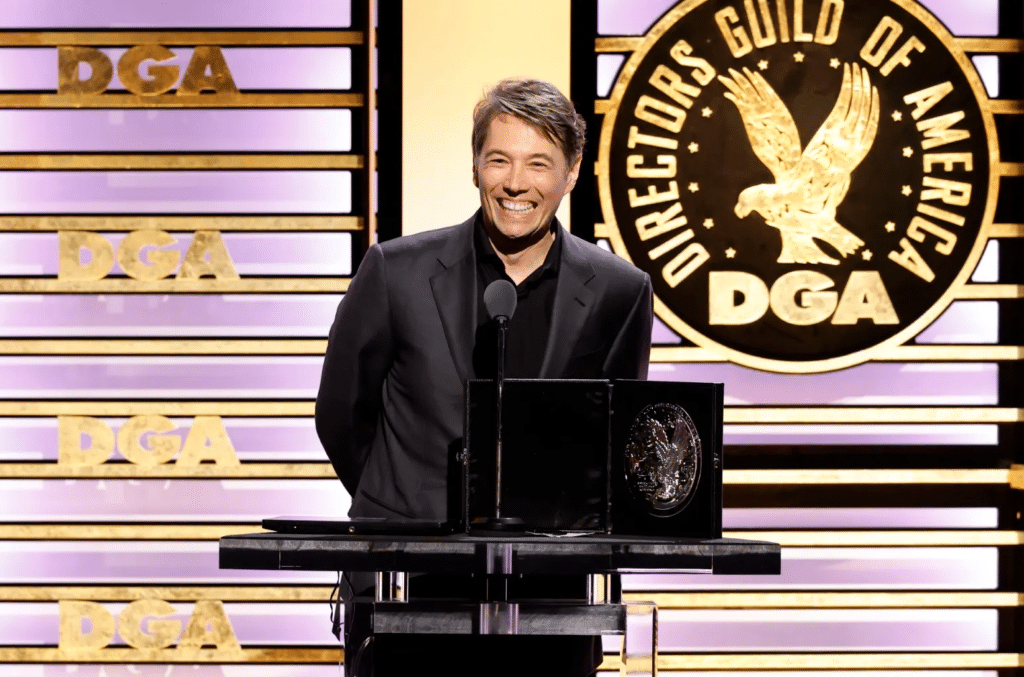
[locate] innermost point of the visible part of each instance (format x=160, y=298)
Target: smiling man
x=413, y=328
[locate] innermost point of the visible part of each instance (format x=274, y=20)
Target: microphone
x=500, y=299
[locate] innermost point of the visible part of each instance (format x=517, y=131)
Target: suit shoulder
x=607, y=262
x=418, y=244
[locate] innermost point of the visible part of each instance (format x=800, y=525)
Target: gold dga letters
x=206, y=441
x=207, y=71
x=145, y=624
x=206, y=255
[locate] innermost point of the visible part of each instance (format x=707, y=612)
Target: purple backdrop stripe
x=252, y=68
x=866, y=384
x=185, y=563
x=175, y=378
x=254, y=439
x=253, y=254
x=298, y=376
x=130, y=501
x=180, y=192
x=132, y=563
x=172, y=315
x=178, y=14
x=308, y=624
x=264, y=130
x=849, y=569
x=634, y=17
x=839, y=435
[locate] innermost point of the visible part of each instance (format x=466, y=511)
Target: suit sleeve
x=359, y=356
x=630, y=354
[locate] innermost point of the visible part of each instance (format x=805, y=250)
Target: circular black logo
x=805, y=182
x=662, y=459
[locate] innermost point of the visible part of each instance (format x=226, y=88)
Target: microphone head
x=500, y=299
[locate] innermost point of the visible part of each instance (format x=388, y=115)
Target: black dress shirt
x=529, y=326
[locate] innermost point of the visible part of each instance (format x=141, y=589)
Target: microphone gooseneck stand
x=500, y=299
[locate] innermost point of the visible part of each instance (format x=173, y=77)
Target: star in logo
x=730, y=253
x=705, y=112
x=762, y=64
x=693, y=187
x=709, y=223
x=891, y=227
x=798, y=57
x=897, y=115
x=693, y=147
x=866, y=254
x=908, y=151
x=834, y=63
x=907, y=190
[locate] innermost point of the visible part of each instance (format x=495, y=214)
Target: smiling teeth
x=515, y=206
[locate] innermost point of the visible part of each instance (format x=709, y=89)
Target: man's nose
x=515, y=180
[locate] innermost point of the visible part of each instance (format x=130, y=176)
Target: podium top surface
x=519, y=554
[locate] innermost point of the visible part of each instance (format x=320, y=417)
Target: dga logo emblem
x=662, y=459
x=806, y=181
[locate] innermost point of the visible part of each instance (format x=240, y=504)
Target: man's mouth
x=516, y=207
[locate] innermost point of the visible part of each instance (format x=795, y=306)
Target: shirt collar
x=487, y=256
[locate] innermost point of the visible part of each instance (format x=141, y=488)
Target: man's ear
x=574, y=174
x=476, y=178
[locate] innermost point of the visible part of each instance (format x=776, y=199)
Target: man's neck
x=521, y=262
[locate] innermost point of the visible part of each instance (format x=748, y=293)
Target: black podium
x=588, y=479
x=497, y=558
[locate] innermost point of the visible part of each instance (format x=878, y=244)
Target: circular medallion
x=662, y=459
x=807, y=183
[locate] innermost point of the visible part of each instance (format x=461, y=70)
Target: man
x=412, y=327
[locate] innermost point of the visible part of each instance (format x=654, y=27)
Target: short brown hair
x=537, y=103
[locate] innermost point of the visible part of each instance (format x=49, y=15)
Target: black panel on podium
x=622, y=457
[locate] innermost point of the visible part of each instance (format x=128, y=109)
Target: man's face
x=522, y=177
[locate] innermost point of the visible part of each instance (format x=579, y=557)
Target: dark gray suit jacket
x=391, y=393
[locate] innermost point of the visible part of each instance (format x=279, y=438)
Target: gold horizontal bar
x=180, y=223
x=31, y=654
x=823, y=600
x=275, y=593
x=799, y=539
x=908, y=353
x=223, y=38
x=872, y=415
x=107, y=408
x=1006, y=230
x=1010, y=169
x=163, y=346
x=880, y=539
x=112, y=471
x=665, y=600
x=990, y=291
x=195, y=161
x=733, y=415
x=324, y=470
x=242, y=100
x=1006, y=107
x=617, y=44
x=123, y=532
x=994, y=45
x=602, y=106
x=902, y=477
x=835, y=661
x=124, y=285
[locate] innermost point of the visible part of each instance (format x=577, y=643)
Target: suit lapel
x=573, y=303
x=455, y=295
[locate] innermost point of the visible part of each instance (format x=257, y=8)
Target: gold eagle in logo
x=809, y=184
